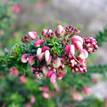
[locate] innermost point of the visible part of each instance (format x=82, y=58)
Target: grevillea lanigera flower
x=52, y=53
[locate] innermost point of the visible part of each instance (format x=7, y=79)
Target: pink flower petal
x=24, y=58
x=60, y=30
x=47, y=55
x=23, y=79
x=38, y=42
x=53, y=78
x=77, y=38
x=40, y=56
x=44, y=48
x=72, y=49
x=32, y=34
x=44, y=32
x=83, y=54
x=31, y=60
x=57, y=63
x=87, y=90
x=49, y=73
x=14, y=71
x=67, y=49
x=77, y=41
x=46, y=95
x=44, y=70
x=39, y=51
x=44, y=89
x=78, y=45
x=16, y=8
x=33, y=99
x=61, y=74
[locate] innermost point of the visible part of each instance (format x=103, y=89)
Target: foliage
x=101, y=36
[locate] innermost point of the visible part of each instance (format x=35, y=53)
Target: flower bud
x=90, y=44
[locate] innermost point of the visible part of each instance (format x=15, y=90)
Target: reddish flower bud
x=47, y=33
x=90, y=44
x=71, y=30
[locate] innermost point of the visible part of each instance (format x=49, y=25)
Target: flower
x=24, y=58
x=87, y=90
x=16, y=8
x=32, y=99
x=47, y=56
x=31, y=59
x=33, y=35
x=73, y=52
x=44, y=89
x=53, y=78
x=47, y=33
x=83, y=54
x=70, y=49
x=46, y=95
x=60, y=74
x=90, y=44
x=77, y=41
x=76, y=96
x=44, y=48
x=23, y=79
x=71, y=30
x=14, y=71
x=38, y=42
x=60, y=30
x=51, y=74
x=57, y=63
x=39, y=51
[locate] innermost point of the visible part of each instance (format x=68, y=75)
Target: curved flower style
x=56, y=50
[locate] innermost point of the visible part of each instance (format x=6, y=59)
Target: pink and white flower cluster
x=44, y=62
